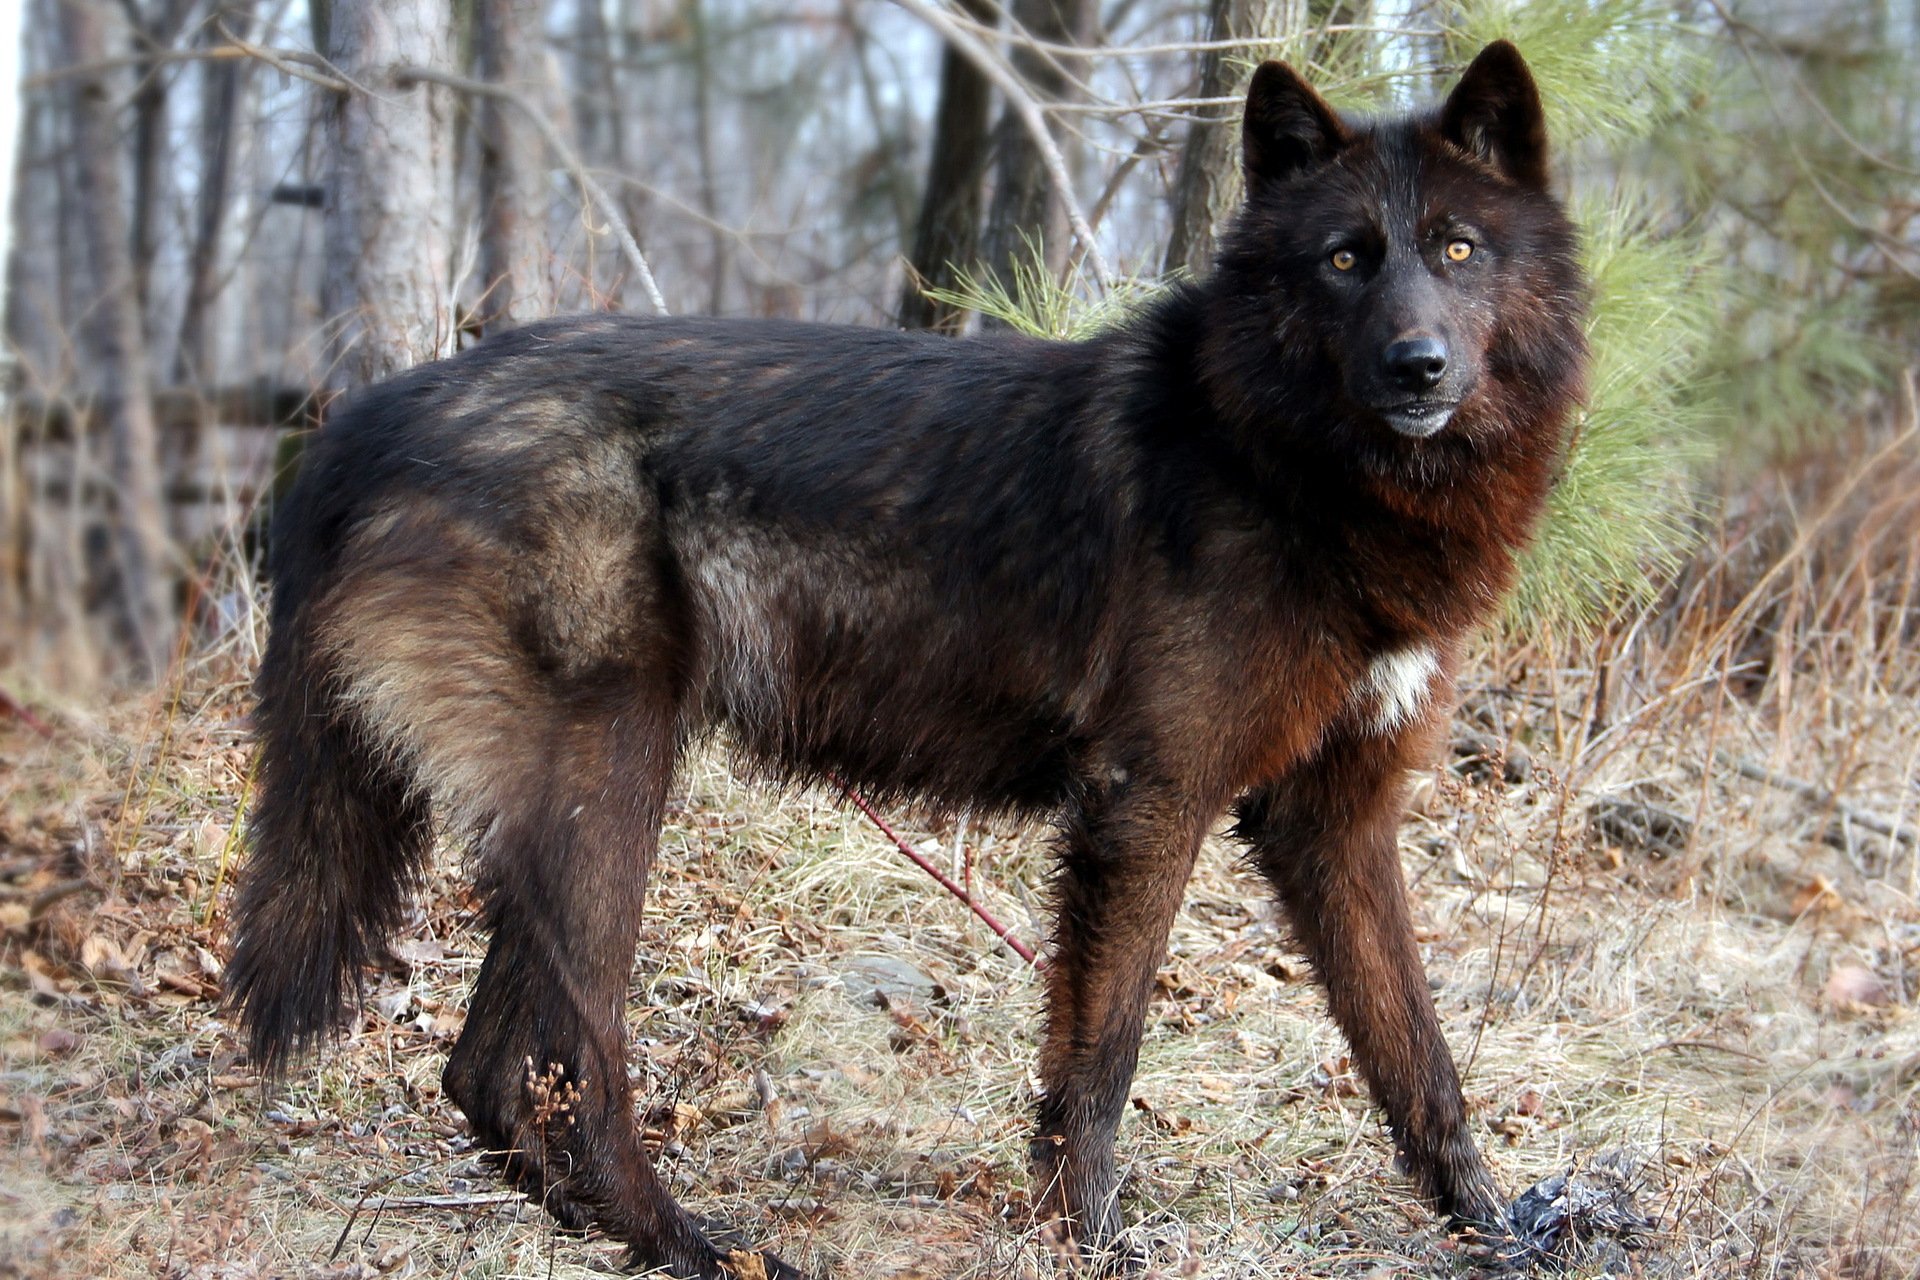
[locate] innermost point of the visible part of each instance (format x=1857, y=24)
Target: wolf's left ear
x=1287, y=126
x=1494, y=112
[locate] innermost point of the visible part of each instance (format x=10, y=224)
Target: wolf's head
x=1403, y=285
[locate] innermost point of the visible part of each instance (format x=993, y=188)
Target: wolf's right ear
x=1288, y=127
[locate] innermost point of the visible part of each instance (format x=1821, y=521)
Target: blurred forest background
x=1668, y=873
x=225, y=213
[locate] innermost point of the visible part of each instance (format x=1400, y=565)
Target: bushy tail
x=338, y=835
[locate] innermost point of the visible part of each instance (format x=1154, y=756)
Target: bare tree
x=1207, y=185
x=118, y=345
x=45, y=263
x=1026, y=213
x=598, y=126
x=156, y=27
x=219, y=127
x=947, y=233
x=13, y=131
x=515, y=279
x=390, y=205
x=699, y=21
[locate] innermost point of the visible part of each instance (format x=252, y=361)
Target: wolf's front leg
x=1124, y=865
x=1324, y=836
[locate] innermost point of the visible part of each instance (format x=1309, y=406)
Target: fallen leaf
x=185, y=984
x=415, y=952
x=747, y=1265
x=44, y=984
x=1215, y=1088
x=1855, y=988
x=56, y=1041
x=1816, y=896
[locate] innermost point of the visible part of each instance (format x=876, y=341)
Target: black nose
x=1416, y=364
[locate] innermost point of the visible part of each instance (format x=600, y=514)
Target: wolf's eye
x=1459, y=250
x=1343, y=259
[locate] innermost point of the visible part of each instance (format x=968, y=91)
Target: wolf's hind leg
x=540, y=1069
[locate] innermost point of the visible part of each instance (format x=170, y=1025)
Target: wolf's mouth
x=1418, y=420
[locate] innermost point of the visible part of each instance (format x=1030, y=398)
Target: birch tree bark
x=1207, y=187
x=515, y=279
x=114, y=332
x=1025, y=213
x=389, y=216
x=947, y=234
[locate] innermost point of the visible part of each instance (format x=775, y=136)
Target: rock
x=1584, y=1217
x=881, y=979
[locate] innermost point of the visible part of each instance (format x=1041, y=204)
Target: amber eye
x=1459, y=250
x=1343, y=259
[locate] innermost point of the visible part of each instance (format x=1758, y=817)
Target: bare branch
x=293, y=62
x=1031, y=118
x=569, y=161
x=1179, y=47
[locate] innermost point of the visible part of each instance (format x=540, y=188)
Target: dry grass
x=1730, y=1011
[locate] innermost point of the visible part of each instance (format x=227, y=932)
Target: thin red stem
x=10, y=706
x=940, y=877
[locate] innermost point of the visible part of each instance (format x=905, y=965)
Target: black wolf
x=1219, y=559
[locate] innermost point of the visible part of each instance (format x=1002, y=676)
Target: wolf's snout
x=1416, y=364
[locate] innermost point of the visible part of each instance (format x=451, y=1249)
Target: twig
x=326, y=73
x=562, y=152
x=1023, y=105
x=1819, y=797
x=1736, y=26
x=1026, y=40
x=475, y=1201
x=1891, y=247
x=940, y=877
x=292, y=62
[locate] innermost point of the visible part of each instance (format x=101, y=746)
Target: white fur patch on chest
x=1396, y=687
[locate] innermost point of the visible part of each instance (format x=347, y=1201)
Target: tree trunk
x=1026, y=214
x=390, y=204
x=948, y=231
x=43, y=268
x=720, y=267
x=219, y=111
x=514, y=273
x=14, y=133
x=114, y=334
x=157, y=30
x=1207, y=186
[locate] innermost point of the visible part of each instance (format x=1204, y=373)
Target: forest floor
x=1667, y=944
